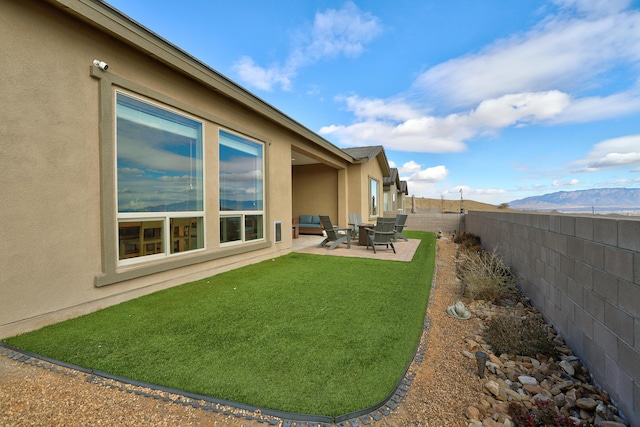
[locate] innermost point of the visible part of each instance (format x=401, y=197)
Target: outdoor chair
x=355, y=220
x=382, y=234
x=334, y=234
x=399, y=226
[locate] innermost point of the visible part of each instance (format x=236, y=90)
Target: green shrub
x=524, y=337
x=485, y=276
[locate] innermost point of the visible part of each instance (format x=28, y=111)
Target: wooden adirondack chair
x=399, y=226
x=382, y=234
x=355, y=220
x=334, y=234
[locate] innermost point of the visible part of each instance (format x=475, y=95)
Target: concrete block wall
x=583, y=274
x=435, y=222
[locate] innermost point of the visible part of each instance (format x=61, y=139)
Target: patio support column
x=343, y=198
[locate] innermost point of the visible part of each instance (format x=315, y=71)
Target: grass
x=300, y=333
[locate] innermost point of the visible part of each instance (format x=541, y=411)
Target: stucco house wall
x=315, y=191
x=58, y=198
x=371, y=170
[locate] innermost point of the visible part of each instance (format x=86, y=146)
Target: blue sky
x=500, y=99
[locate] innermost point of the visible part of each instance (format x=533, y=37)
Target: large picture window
x=160, y=195
x=241, y=189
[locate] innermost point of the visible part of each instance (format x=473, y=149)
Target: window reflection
x=159, y=156
x=373, y=194
x=241, y=189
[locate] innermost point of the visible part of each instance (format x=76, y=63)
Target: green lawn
x=300, y=333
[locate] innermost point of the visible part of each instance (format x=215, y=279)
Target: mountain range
x=594, y=200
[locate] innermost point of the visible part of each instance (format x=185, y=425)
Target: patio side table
x=362, y=234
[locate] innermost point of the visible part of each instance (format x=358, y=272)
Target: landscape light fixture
x=481, y=359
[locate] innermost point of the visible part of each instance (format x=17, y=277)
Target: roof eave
x=113, y=22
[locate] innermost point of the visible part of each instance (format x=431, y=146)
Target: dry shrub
x=524, y=337
x=485, y=276
x=468, y=242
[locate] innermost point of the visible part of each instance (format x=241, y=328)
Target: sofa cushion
x=315, y=219
x=306, y=219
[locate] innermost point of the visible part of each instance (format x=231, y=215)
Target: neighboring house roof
x=366, y=154
x=401, y=186
x=404, y=188
x=360, y=153
x=393, y=179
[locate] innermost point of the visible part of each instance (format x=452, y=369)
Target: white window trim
x=242, y=214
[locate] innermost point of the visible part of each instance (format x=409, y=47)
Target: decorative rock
x=488, y=422
x=564, y=385
x=586, y=403
x=499, y=408
x=493, y=388
x=539, y=398
x=468, y=354
x=567, y=367
x=559, y=400
x=527, y=380
x=575, y=421
x=495, y=360
x=603, y=411
x=512, y=394
x=472, y=413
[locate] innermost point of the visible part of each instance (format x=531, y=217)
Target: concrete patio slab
x=404, y=250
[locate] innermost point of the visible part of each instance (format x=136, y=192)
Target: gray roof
x=360, y=153
x=393, y=179
x=404, y=187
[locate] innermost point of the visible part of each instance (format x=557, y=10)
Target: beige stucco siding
x=315, y=191
x=371, y=170
x=53, y=188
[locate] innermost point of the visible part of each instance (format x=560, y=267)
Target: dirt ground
x=41, y=394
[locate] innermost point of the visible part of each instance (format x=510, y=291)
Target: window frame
x=373, y=203
x=108, y=271
x=243, y=214
x=165, y=217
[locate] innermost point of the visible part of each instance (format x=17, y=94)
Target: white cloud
x=263, y=78
x=595, y=108
x=440, y=190
x=422, y=182
x=434, y=174
x=535, y=77
x=339, y=32
x=366, y=108
x=409, y=167
x=561, y=53
x=611, y=153
x=398, y=126
x=334, y=32
x=565, y=183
